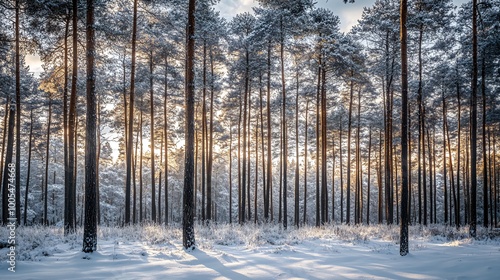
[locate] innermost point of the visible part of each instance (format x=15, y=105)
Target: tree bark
x=29, y=169
x=473, y=132
x=188, y=238
x=46, y=177
x=152, y=139
x=130, y=123
x=404, y=132
x=90, y=225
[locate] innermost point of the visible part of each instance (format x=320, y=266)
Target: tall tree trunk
x=67, y=185
x=388, y=137
x=90, y=225
x=244, y=163
x=269, y=182
x=71, y=176
x=421, y=129
x=188, y=239
x=211, y=140
x=240, y=195
x=358, y=205
x=130, y=123
x=140, y=166
x=368, y=194
x=431, y=183
x=134, y=172
x=165, y=128
x=29, y=169
x=445, y=175
x=341, y=174
x=324, y=192
x=262, y=143
x=18, y=120
x=452, y=178
x=297, y=170
x=256, y=167
x=349, y=128
x=46, y=177
x=283, y=119
x=379, y=182
x=204, y=146
x=333, y=176
x=306, y=161
x=249, y=142
x=490, y=178
x=485, y=157
x=230, y=175
x=473, y=132
x=152, y=139
x=98, y=157
x=318, y=123
x=404, y=132
x=159, y=179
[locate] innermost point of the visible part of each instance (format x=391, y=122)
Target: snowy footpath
x=256, y=252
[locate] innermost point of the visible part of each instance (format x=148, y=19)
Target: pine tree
x=188, y=239
x=90, y=225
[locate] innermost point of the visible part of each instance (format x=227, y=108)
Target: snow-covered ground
x=255, y=252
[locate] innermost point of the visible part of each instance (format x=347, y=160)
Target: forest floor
x=255, y=252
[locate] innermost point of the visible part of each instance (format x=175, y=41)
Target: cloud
x=229, y=8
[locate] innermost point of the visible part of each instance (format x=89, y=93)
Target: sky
x=348, y=13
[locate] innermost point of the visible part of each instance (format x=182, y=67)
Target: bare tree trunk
x=269, y=182
x=445, y=175
x=91, y=187
x=283, y=119
x=230, y=175
x=152, y=139
x=71, y=175
x=431, y=184
x=341, y=175
x=264, y=192
x=134, y=214
x=240, y=195
x=29, y=169
x=379, y=182
x=210, y=139
x=368, y=194
x=159, y=180
x=306, y=162
x=404, y=248
x=333, y=175
x=297, y=170
x=67, y=185
x=318, y=122
x=46, y=177
x=140, y=166
x=349, y=128
x=130, y=124
x=485, y=157
x=473, y=132
x=244, y=163
x=18, y=120
x=452, y=178
x=165, y=134
x=188, y=239
x=357, y=195
x=324, y=192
